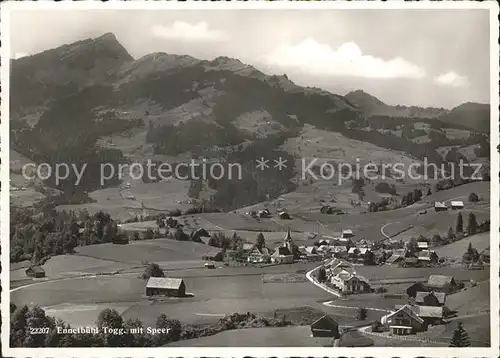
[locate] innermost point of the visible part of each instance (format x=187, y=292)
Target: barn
x=325, y=326
x=165, y=286
x=35, y=271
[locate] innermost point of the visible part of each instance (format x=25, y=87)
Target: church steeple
x=288, y=236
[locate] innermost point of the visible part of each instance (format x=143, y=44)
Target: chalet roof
x=439, y=204
x=441, y=296
x=426, y=255
x=164, y=282
x=457, y=203
x=439, y=280
x=263, y=251
x=324, y=321
x=408, y=310
x=486, y=252
x=428, y=311
x=310, y=249
x=394, y=258
x=422, y=244
x=347, y=231
x=338, y=248
x=36, y=269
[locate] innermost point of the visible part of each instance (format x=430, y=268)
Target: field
x=458, y=248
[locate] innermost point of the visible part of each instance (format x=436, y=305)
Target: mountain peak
x=363, y=99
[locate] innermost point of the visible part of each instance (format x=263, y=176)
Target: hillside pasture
x=137, y=252
x=471, y=300
x=457, y=249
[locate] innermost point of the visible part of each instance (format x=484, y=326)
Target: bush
x=381, y=290
x=153, y=270
x=361, y=314
x=473, y=198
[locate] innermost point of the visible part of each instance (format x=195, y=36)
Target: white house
x=350, y=283
x=347, y=234
x=457, y=205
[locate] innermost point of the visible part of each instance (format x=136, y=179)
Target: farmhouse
x=442, y=283
x=430, y=314
x=410, y=262
x=435, y=299
x=402, y=322
x=427, y=256
x=335, y=266
x=35, y=271
x=423, y=245
x=349, y=283
x=264, y=213
x=457, y=205
x=397, y=256
x=358, y=254
x=247, y=247
x=165, y=286
x=325, y=326
x=439, y=206
x=257, y=255
x=347, y=234
x=284, y=215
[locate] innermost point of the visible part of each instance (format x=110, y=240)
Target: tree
x=153, y=270
x=460, y=337
x=472, y=224
x=412, y=245
x=473, y=198
x=451, y=235
x=429, y=192
x=261, y=241
x=361, y=314
x=321, y=275
x=172, y=325
x=112, y=320
x=460, y=223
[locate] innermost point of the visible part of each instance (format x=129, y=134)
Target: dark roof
x=324, y=322
x=164, y=282
x=36, y=269
x=439, y=280
x=441, y=297
x=411, y=260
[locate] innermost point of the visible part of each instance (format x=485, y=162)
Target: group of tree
x=37, y=234
x=471, y=255
x=384, y=187
x=411, y=197
x=153, y=270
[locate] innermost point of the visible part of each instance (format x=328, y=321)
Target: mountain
x=40, y=78
x=472, y=115
x=371, y=105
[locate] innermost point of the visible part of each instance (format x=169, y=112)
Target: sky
x=436, y=58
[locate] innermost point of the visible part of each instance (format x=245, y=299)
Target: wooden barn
x=325, y=326
x=35, y=271
x=165, y=286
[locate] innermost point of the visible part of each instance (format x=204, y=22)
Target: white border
x=493, y=351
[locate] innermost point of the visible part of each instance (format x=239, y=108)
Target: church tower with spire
x=288, y=241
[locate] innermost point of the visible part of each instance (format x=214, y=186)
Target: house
x=311, y=253
x=397, y=256
x=165, y=286
x=35, y=272
x=441, y=283
x=434, y=299
x=428, y=256
x=457, y=205
x=209, y=265
x=430, y=314
x=282, y=256
x=350, y=283
x=284, y=215
x=247, y=247
x=257, y=255
x=415, y=288
x=440, y=206
x=336, y=266
x=325, y=326
x=402, y=322
x=484, y=256
x=347, y=234
x=358, y=253
x=410, y=262
x=264, y=213
x=422, y=245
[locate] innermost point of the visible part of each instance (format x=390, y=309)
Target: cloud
x=347, y=60
x=180, y=30
x=452, y=79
